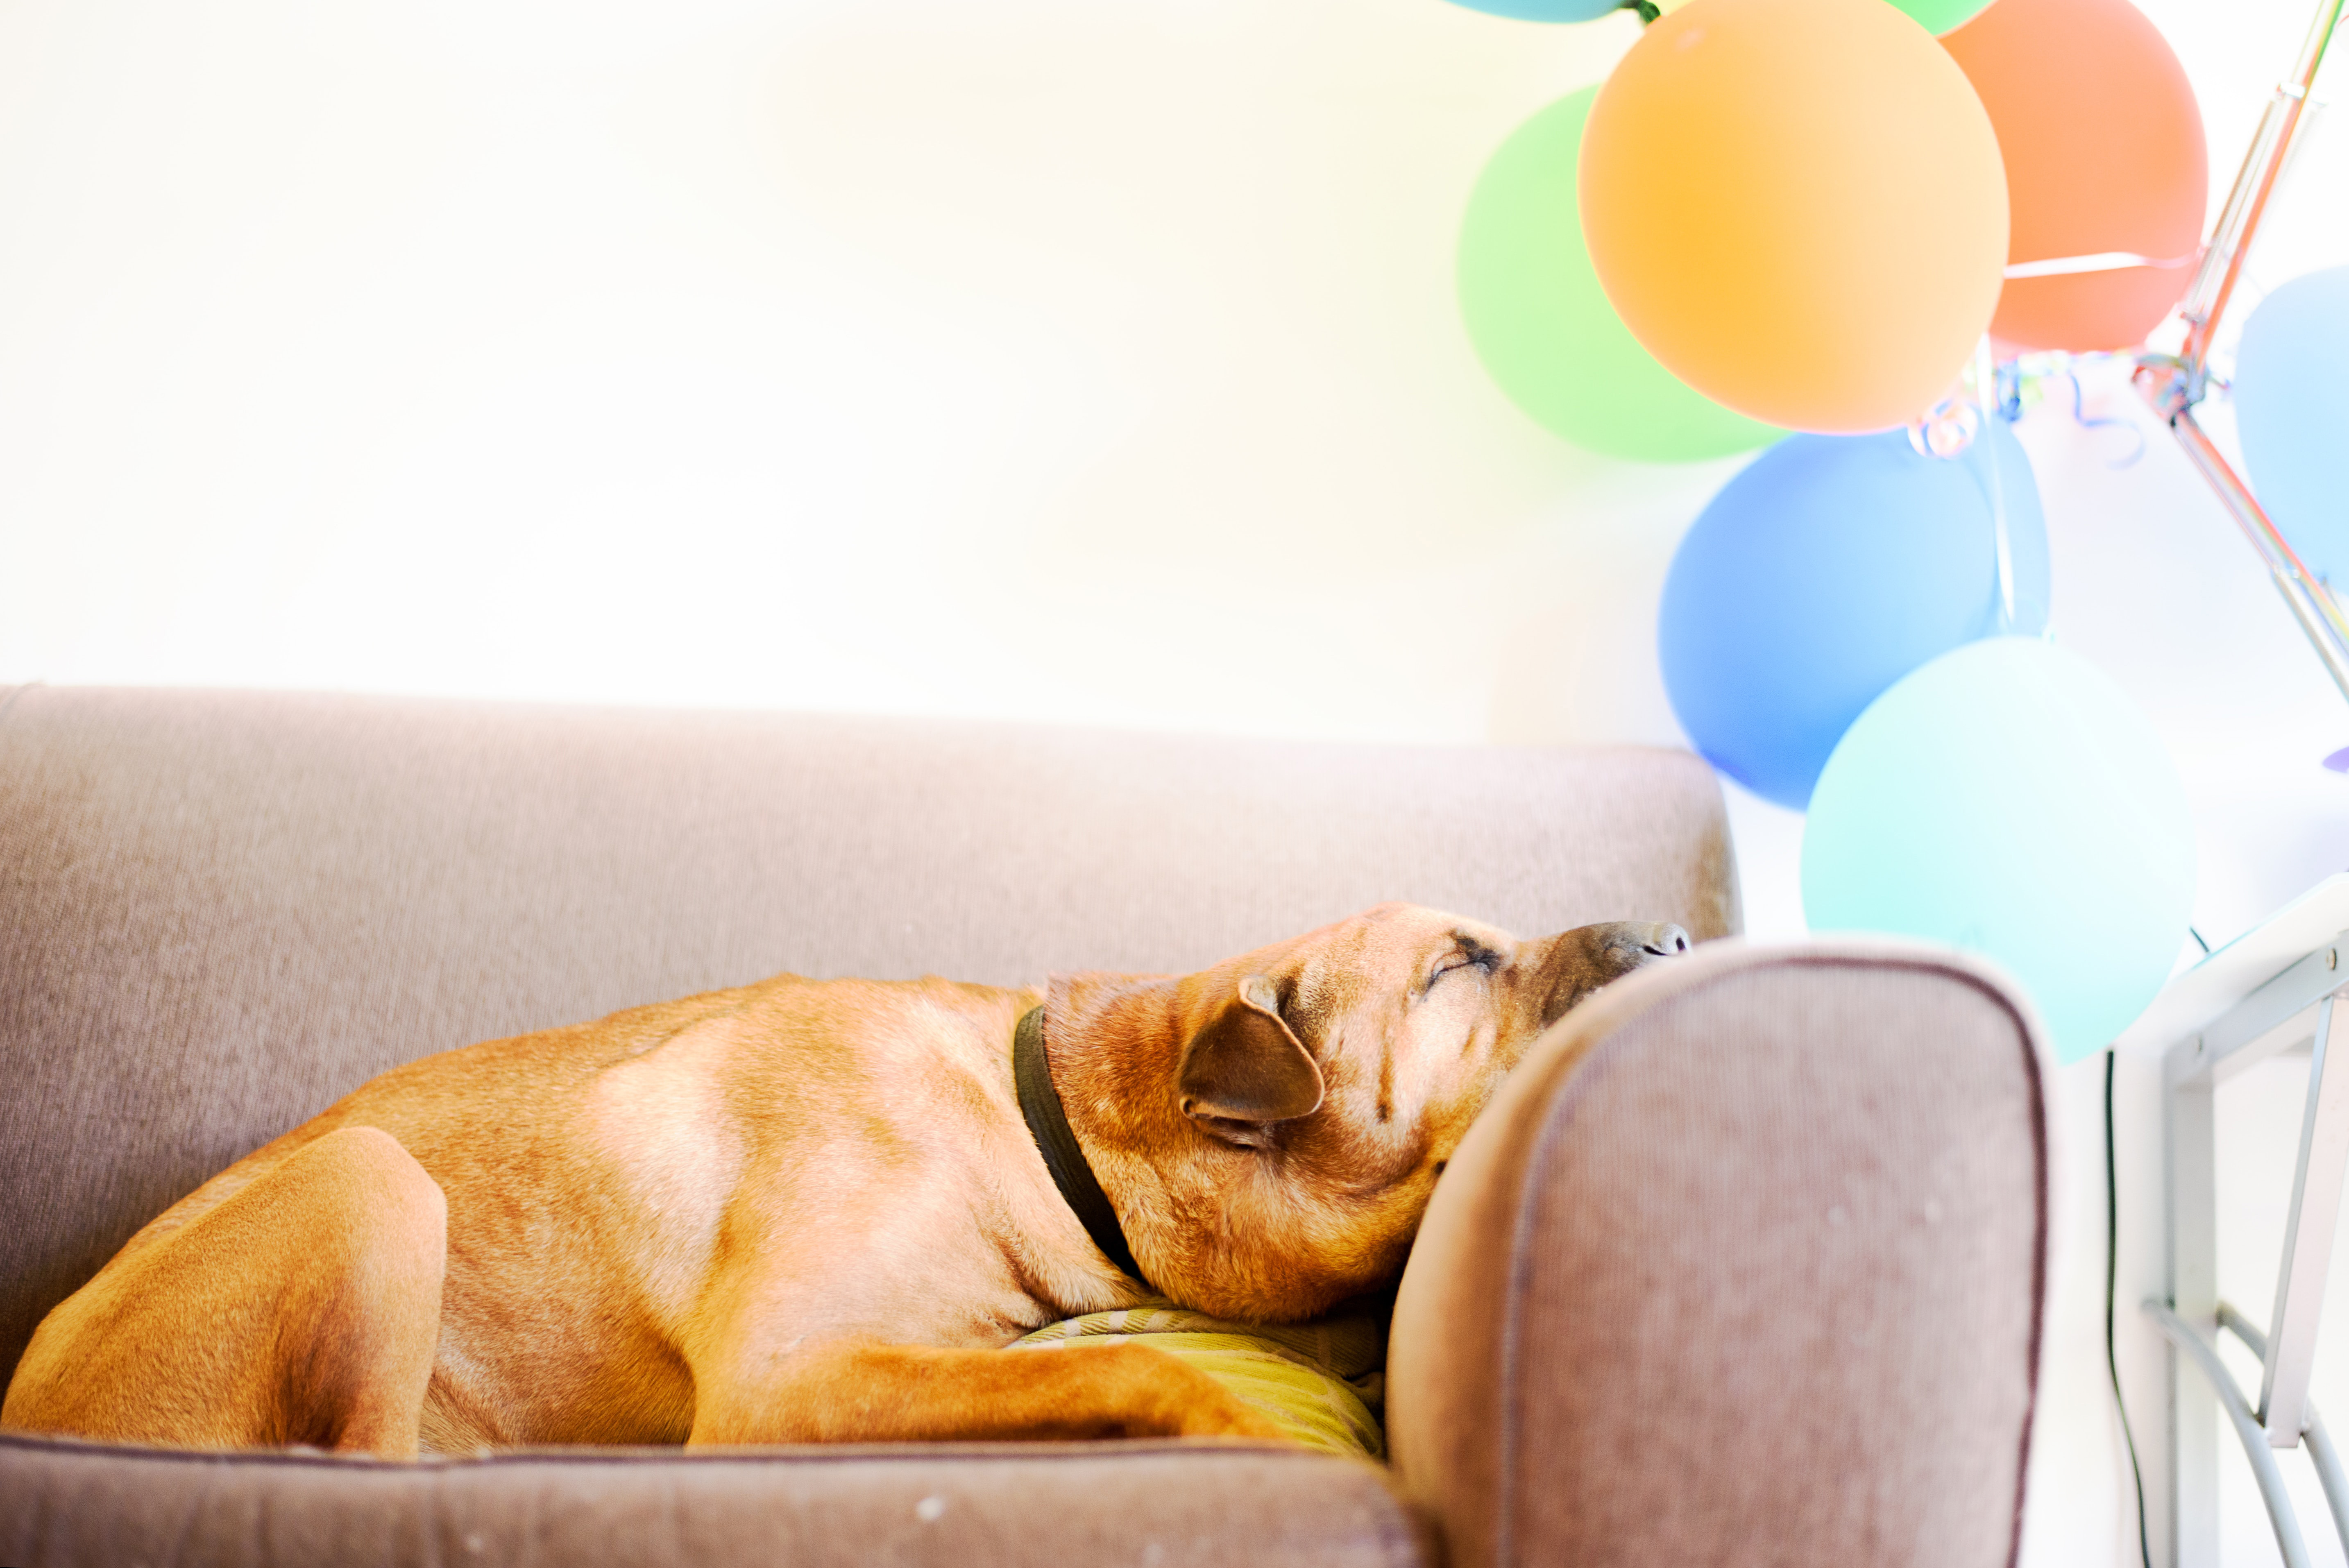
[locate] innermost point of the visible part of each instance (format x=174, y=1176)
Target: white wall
x=1056, y=359
x=1039, y=358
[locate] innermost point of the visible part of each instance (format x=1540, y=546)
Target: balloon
x=1545, y=10
x=2104, y=154
x=1941, y=15
x=2291, y=410
x=2008, y=798
x=1797, y=206
x=1542, y=325
x=1830, y=567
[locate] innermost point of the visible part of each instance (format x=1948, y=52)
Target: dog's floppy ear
x=1245, y=1068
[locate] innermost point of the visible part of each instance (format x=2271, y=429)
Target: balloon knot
x=1648, y=9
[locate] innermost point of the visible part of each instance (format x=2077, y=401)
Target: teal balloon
x=1544, y=10
x=2291, y=411
x=2010, y=800
x=1542, y=325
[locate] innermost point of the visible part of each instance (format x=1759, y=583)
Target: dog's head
x=1271, y=1127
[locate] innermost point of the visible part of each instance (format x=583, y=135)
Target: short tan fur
x=811, y=1210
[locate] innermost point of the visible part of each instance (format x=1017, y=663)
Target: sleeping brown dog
x=811, y=1210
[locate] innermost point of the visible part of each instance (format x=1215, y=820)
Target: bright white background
x=1059, y=360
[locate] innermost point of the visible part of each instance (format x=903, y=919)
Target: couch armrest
x=1744, y=1265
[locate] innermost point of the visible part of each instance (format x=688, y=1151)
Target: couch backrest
x=220, y=912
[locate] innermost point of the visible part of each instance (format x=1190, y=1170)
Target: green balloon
x=1939, y=16
x=1542, y=325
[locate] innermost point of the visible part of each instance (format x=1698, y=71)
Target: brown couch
x=1746, y=1266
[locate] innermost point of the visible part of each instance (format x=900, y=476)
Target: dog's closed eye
x=1467, y=956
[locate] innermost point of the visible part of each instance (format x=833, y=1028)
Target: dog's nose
x=1664, y=940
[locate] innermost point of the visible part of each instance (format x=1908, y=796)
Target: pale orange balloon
x=1798, y=207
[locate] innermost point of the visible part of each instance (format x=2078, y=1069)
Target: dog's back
x=593, y=1173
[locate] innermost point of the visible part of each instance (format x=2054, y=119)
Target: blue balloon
x=2008, y=798
x=2292, y=409
x=1545, y=10
x=1832, y=566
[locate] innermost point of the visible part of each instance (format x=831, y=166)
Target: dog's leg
x=898, y=1393
x=304, y=1308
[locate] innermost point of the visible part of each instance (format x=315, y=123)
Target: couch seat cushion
x=67, y=1504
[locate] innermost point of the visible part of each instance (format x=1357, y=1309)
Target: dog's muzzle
x=1582, y=960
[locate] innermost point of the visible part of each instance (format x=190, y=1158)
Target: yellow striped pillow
x=1323, y=1382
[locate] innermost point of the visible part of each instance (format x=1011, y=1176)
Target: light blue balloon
x=2010, y=800
x=1829, y=568
x=2292, y=409
x=1545, y=10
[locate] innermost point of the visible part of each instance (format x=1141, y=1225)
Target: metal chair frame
x=2307, y=1003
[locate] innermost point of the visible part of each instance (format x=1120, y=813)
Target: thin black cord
x=2112, y=1270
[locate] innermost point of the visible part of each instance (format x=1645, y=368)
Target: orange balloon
x=1797, y=206
x=2105, y=153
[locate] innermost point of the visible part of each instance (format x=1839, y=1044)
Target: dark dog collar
x=1040, y=1105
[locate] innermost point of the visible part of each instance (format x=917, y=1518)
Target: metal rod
x=2262, y=1023
x=2175, y=384
x=2255, y=1443
x=2313, y=604
x=2308, y=1236
x=2327, y=1460
x=2192, y=1269
x=2222, y=263
x=2321, y=1451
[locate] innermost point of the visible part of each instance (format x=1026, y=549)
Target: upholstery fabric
x=1152, y=1505
x=1744, y=1265
x=220, y=912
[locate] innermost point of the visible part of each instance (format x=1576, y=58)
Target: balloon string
x=2100, y=262
x=2080, y=418
x=1986, y=393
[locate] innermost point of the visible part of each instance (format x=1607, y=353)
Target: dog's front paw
x=1228, y=1416
x=1160, y=1395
